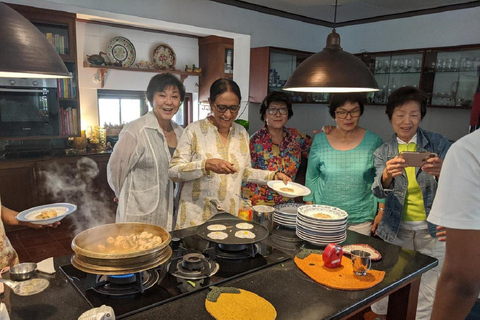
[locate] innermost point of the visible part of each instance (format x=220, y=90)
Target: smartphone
x=416, y=159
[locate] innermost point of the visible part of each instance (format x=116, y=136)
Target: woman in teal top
x=341, y=169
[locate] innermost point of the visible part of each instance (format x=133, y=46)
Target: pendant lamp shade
x=332, y=70
x=24, y=51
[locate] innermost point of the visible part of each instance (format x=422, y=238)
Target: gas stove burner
x=232, y=247
x=235, y=251
x=192, y=266
x=121, y=279
x=128, y=284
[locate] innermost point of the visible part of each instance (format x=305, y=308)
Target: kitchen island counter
x=292, y=293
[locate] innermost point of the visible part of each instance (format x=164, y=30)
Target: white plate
x=320, y=242
x=321, y=226
x=315, y=211
x=62, y=209
x=298, y=189
x=321, y=237
x=322, y=233
x=287, y=209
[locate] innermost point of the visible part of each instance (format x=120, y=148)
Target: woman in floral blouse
x=275, y=147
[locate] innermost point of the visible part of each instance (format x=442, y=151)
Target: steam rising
x=64, y=183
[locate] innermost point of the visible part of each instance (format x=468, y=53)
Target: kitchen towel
x=343, y=278
x=46, y=266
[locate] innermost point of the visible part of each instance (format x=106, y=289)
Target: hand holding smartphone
x=415, y=158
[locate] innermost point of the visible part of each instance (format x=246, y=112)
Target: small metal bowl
x=23, y=271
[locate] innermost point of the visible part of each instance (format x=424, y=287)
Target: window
x=119, y=107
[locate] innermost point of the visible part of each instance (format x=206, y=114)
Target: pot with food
x=120, y=248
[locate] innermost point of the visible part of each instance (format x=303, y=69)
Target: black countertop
x=293, y=294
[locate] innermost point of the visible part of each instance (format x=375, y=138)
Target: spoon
x=28, y=287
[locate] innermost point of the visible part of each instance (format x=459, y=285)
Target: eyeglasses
x=274, y=111
x=223, y=108
x=355, y=113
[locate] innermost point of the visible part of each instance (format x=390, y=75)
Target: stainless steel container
x=263, y=215
x=23, y=271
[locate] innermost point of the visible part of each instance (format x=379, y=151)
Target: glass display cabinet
x=448, y=75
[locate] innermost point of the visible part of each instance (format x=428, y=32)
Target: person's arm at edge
x=459, y=283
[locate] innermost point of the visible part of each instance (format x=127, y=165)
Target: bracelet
x=381, y=209
x=275, y=175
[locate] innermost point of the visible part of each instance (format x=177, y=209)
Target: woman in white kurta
x=213, y=158
x=137, y=169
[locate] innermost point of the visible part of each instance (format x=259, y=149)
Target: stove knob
x=12, y=82
x=175, y=243
x=35, y=82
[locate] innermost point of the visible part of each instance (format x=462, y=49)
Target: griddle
x=230, y=222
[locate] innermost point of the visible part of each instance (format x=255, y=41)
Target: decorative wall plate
x=164, y=57
x=120, y=49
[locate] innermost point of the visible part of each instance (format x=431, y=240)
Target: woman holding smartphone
x=409, y=191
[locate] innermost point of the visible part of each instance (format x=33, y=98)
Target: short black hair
x=224, y=85
x=276, y=96
x=404, y=95
x=339, y=99
x=162, y=81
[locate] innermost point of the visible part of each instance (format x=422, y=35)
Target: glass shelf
x=449, y=76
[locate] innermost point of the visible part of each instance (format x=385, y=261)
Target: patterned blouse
x=8, y=255
x=199, y=142
x=267, y=155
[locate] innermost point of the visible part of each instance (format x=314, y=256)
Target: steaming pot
x=89, y=258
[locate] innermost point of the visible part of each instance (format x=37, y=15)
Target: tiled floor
x=34, y=245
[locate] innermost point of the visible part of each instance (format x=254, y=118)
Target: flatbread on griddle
x=244, y=226
x=217, y=235
x=216, y=227
x=245, y=234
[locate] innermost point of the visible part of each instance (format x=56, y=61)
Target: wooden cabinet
x=18, y=189
x=24, y=182
x=270, y=69
x=213, y=54
x=449, y=75
x=59, y=28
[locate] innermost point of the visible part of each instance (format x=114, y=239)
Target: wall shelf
x=102, y=71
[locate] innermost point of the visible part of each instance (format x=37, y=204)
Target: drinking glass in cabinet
x=406, y=64
x=466, y=64
x=386, y=65
x=395, y=65
x=417, y=65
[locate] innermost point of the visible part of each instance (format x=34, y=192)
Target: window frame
x=122, y=94
x=144, y=107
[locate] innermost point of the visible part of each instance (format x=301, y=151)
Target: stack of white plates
x=321, y=225
x=286, y=214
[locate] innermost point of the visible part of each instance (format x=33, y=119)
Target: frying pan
x=231, y=222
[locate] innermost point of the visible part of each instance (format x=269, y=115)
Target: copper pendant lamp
x=24, y=51
x=332, y=70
